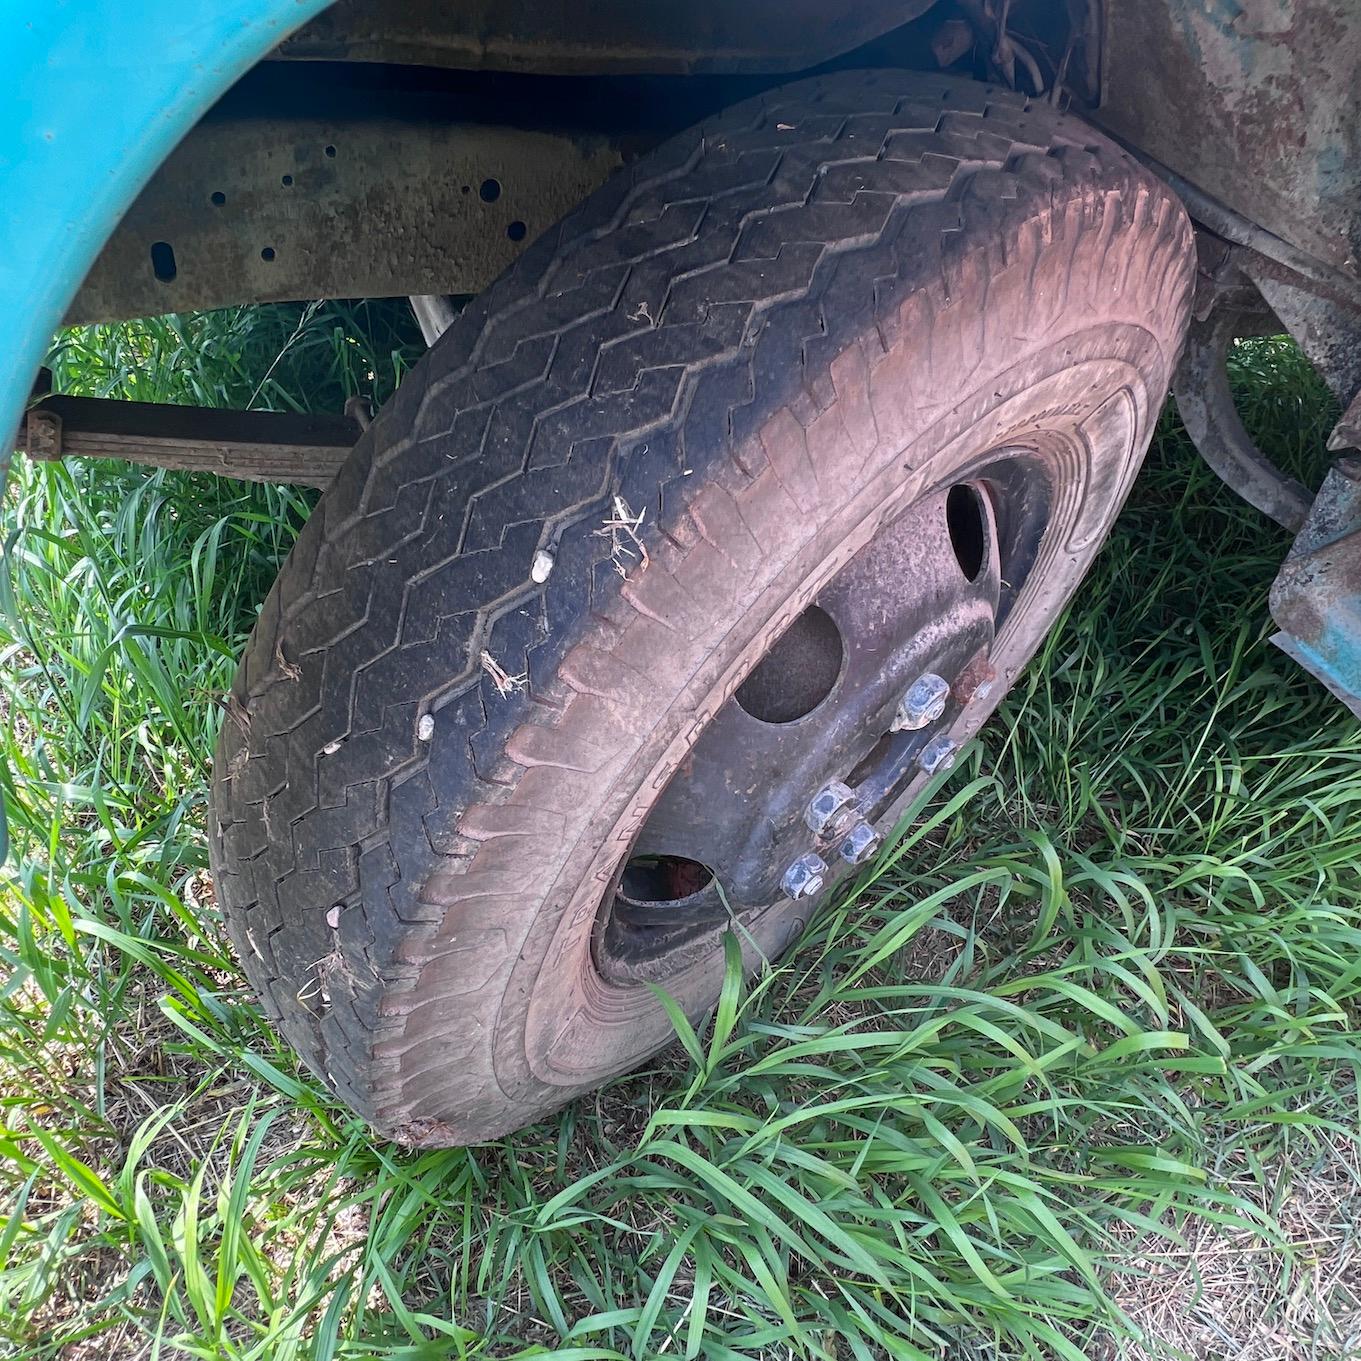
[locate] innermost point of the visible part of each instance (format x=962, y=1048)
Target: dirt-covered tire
x=468, y=684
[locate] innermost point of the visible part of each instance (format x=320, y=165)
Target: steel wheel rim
x=981, y=533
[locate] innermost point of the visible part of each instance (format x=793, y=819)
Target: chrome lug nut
x=938, y=754
x=923, y=703
x=805, y=876
x=860, y=844
x=830, y=801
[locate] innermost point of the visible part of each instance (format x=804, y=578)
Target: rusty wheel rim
x=787, y=785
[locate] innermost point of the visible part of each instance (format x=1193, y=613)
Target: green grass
x=1098, y=1002
x=280, y=357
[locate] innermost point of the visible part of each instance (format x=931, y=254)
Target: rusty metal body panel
x=1255, y=102
x=573, y=37
x=262, y=210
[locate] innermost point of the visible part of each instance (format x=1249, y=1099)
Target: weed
x=1091, y=1015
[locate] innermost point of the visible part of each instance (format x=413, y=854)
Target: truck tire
x=839, y=391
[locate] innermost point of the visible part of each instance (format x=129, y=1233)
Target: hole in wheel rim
x=799, y=671
x=967, y=522
x=654, y=879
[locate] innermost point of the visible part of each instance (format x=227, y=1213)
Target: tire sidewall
x=1084, y=402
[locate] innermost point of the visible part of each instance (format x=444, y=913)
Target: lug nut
x=938, y=754
x=805, y=876
x=832, y=799
x=860, y=844
x=923, y=703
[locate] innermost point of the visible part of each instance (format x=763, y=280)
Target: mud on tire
x=468, y=682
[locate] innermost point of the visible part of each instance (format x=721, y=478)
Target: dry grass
x=1226, y=1294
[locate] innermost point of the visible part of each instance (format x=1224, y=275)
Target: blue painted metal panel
x=93, y=95
x=1316, y=599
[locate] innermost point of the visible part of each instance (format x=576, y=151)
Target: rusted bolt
x=831, y=800
x=938, y=754
x=42, y=436
x=861, y=842
x=923, y=703
x=805, y=876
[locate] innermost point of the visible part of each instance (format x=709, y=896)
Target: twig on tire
x=238, y=713
x=505, y=683
x=330, y=966
x=622, y=529
x=289, y=670
x=323, y=971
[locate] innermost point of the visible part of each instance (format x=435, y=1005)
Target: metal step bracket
x=1316, y=597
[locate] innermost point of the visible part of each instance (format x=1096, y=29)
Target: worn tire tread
x=626, y=354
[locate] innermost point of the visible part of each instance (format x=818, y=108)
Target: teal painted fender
x=94, y=94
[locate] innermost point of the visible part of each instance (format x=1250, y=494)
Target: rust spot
x=978, y=671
